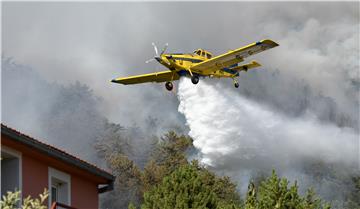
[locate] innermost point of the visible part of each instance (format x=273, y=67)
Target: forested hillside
x=169, y=180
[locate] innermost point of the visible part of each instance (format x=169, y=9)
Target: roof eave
x=57, y=154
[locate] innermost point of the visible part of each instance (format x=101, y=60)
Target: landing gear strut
x=169, y=86
x=195, y=79
x=236, y=83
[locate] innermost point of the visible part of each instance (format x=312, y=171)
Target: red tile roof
x=55, y=152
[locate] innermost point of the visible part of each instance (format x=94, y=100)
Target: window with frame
x=10, y=171
x=59, y=187
x=54, y=193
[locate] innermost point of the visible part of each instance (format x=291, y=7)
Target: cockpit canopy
x=203, y=53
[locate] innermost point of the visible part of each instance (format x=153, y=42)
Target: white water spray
x=234, y=133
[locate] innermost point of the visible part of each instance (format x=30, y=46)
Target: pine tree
x=275, y=193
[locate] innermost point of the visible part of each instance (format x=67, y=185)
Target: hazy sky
x=95, y=42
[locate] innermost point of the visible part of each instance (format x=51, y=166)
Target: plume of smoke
x=70, y=117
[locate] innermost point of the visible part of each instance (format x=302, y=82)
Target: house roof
x=55, y=152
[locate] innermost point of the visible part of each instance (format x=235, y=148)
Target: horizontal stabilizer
x=245, y=67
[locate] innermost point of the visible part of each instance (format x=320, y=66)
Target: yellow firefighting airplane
x=200, y=64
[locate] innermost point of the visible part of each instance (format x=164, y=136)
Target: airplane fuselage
x=182, y=63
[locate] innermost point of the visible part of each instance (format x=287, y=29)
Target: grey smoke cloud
x=94, y=42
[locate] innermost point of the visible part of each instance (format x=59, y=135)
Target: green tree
x=192, y=186
x=311, y=201
x=168, y=155
x=171, y=150
x=275, y=193
x=132, y=181
x=127, y=186
x=251, y=201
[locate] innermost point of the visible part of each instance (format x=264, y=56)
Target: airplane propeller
x=155, y=48
x=150, y=60
x=157, y=57
x=164, y=49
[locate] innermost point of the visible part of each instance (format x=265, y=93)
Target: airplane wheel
x=195, y=79
x=236, y=85
x=169, y=86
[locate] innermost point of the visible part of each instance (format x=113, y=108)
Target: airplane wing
x=233, y=56
x=151, y=77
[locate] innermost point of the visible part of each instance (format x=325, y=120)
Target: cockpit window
x=203, y=53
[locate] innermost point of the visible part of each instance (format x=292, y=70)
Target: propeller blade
x=164, y=49
x=150, y=60
x=155, y=48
